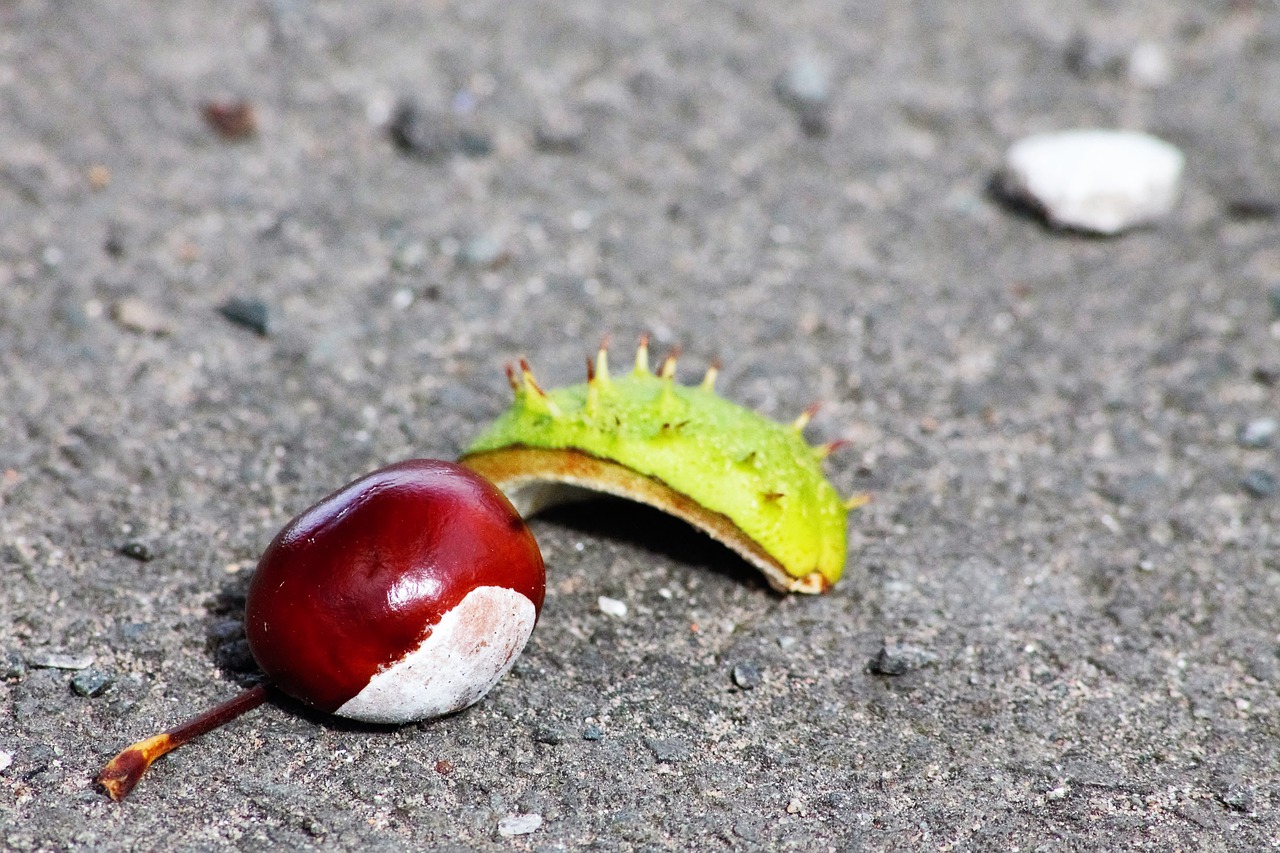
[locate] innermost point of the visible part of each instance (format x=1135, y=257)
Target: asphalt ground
x=1059, y=625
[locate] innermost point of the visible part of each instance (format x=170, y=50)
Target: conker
x=402, y=596
x=405, y=595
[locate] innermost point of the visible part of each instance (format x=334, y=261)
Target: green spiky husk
x=759, y=474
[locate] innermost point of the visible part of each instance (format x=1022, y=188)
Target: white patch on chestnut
x=464, y=656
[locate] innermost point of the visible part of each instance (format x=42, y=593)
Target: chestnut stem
x=124, y=771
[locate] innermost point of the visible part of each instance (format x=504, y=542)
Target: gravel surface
x=1059, y=628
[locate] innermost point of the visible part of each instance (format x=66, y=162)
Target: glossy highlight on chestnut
x=405, y=595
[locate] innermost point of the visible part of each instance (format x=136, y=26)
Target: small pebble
x=1149, y=65
x=402, y=298
x=519, y=824
x=432, y=135
x=54, y=660
x=1259, y=483
x=559, y=132
x=667, y=750
x=6, y=760
x=612, y=606
x=1087, y=57
x=99, y=176
x=747, y=676
x=592, y=732
x=804, y=87
x=409, y=256
x=1259, y=433
x=231, y=119
x=135, y=550
x=113, y=243
x=483, y=252
x=252, y=314
x=899, y=659
x=137, y=316
x=91, y=683
x=12, y=666
x=804, y=83
x=549, y=735
x=1253, y=206
x=886, y=663
x=1238, y=798
x=420, y=133
x=1268, y=376
x=1100, y=181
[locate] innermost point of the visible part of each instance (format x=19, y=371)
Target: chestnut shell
x=357, y=581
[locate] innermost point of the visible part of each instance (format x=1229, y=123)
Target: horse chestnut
x=405, y=595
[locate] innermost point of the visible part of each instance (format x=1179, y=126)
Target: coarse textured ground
x=1079, y=593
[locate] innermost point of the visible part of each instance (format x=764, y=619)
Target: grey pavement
x=1059, y=627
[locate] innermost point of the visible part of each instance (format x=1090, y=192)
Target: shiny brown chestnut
x=405, y=595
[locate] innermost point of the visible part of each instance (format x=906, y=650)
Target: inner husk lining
x=534, y=479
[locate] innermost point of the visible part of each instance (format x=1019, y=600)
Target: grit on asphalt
x=250, y=251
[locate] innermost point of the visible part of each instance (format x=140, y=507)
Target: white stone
x=6, y=759
x=519, y=824
x=612, y=606
x=464, y=656
x=1103, y=181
